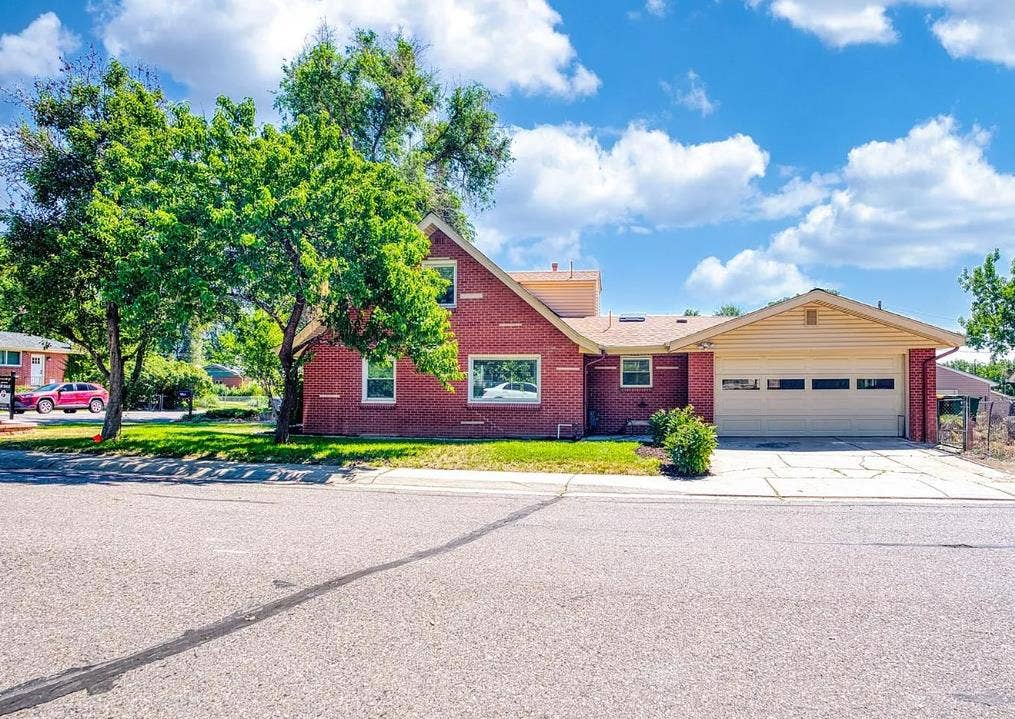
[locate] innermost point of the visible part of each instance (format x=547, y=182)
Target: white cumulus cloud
x=566, y=180
x=981, y=29
x=928, y=199
x=749, y=276
x=37, y=50
x=694, y=96
x=236, y=47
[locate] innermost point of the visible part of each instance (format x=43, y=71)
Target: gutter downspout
x=923, y=404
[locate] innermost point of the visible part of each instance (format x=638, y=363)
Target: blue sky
x=696, y=151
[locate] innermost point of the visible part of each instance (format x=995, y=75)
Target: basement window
x=636, y=372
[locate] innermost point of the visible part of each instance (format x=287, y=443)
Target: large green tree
x=250, y=341
x=447, y=141
x=316, y=231
x=991, y=321
x=106, y=236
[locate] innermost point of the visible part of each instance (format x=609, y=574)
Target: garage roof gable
x=935, y=336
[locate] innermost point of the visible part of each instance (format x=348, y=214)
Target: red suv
x=68, y=396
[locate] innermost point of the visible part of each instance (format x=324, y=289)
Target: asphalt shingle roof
x=559, y=276
x=20, y=341
x=655, y=330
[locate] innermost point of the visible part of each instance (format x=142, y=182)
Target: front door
x=38, y=370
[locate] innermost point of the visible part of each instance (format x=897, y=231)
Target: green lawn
x=252, y=443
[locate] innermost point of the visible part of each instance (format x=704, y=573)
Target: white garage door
x=818, y=396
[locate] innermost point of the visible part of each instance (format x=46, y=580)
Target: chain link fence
x=952, y=421
x=991, y=432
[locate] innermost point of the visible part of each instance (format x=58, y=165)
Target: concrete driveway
x=851, y=467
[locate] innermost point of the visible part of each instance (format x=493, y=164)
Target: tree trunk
x=285, y=412
x=114, y=408
x=289, y=379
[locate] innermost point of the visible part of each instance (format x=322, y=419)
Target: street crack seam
x=98, y=677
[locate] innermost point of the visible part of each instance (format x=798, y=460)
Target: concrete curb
x=184, y=470
x=198, y=472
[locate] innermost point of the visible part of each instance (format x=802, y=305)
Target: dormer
x=569, y=293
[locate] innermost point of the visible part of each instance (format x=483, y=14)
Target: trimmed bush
x=664, y=422
x=690, y=447
x=233, y=413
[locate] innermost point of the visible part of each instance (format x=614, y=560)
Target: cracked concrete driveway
x=853, y=467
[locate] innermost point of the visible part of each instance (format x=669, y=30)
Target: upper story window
x=378, y=380
x=636, y=372
x=448, y=269
x=10, y=358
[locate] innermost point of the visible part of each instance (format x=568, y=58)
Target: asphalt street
x=163, y=599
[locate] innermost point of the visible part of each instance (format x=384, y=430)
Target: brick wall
x=616, y=405
x=922, y=398
x=490, y=319
x=701, y=384
x=56, y=364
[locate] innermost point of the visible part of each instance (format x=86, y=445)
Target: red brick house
x=34, y=360
x=541, y=361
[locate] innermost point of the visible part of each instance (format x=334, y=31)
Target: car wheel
x=95, y=406
x=45, y=406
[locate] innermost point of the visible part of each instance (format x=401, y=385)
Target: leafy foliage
x=250, y=341
x=996, y=371
x=110, y=254
x=691, y=446
x=729, y=310
x=167, y=376
x=663, y=422
x=691, y=312
x=310, y=223
x=991, y=322
x=394, y=111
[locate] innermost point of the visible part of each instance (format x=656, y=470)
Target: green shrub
x=690, y=447
x=233, y=413
x=663, y=422
x=164, y=376
x=247, y=389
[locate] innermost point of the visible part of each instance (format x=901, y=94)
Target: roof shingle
x=21, y=341
x=654, y=331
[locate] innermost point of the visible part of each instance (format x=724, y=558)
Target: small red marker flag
x=97, y=438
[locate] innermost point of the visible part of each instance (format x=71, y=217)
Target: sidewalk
x=727, y=484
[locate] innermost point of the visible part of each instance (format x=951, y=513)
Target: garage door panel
x=849, y=412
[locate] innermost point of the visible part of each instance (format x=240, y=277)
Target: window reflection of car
x=511, y=390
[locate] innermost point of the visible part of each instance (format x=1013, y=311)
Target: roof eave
x=941, y=337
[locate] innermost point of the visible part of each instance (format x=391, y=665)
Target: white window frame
x=5, y=363
x=378, y=400
x=434, y=264
x=488, y=402
x=637, y=386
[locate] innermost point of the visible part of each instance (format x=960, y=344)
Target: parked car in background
x=68, y=396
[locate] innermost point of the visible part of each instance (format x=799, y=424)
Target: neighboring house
x=953, y=382
x=539, y=364
x=34, y=360
x=228, y=376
